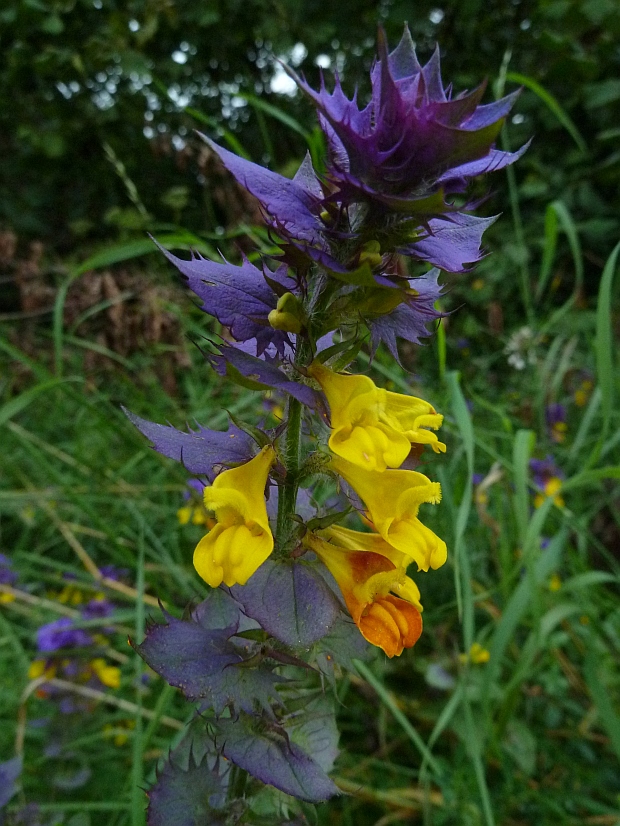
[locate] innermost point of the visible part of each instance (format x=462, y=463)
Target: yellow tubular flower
x=393, y=499
x=365, y=579
x=372, y=427
x=362, y=541
x=241, y=539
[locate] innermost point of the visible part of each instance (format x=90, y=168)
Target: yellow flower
x=372, y=427
x=393, y=499
x=241, y=539
x=555, y=583
x=120, y=731
x=558, y=432
x=551, y=488
x=38, y=668
x=365, y=579
x=188, y=513
x=109, y=675
x=363, y=541
x=6, y=597
x=582, y=394
x=477, y=655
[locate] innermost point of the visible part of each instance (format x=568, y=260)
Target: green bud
x=288, y=315
x=371, y=254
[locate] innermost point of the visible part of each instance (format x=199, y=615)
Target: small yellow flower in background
x=109, y=675
x=70, y=595
x=5, y=598
x=477, y=655
x=184, y=515
x=555, y=583
x=477, y=284
x=551, y=488
x=366, y=579
x=372, y=427
x=393, y=499
x=119, y=731
x=194, y=514
x=584, y=619
x=582, y=393
x=38, y=669
x=241, y=539
x=558, y=432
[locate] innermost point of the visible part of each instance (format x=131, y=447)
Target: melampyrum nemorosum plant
x=298, y=581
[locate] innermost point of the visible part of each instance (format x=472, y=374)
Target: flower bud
x=288, y=315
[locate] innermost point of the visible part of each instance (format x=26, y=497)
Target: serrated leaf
x=315, y=730
x=187, y=791
x=258, y=374
x=267, y=753
x=202, y=451
x=200, y=657
x=290, y=601
x=341, y=646
x=261, y=438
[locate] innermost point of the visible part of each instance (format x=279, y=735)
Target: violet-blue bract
x=412, y=139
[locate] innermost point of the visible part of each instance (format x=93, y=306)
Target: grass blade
x=464, y=594
x=604, y=348
x=551, y=103
x=387, y=699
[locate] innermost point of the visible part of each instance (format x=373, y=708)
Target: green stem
x=287, y=498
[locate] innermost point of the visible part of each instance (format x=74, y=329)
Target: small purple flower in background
x=97, y=609
x=548, y=478
x=7, y=574
x=7, y=577
x=555, y=416
x=463, y=344
x=112, y=572
x=477, y=478
x=61, y=634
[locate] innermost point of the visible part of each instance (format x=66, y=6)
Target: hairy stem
x=287, y=496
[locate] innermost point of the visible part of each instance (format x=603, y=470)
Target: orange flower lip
x=365, y=579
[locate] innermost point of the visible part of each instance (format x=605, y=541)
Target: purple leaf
x=411, y=133
x=265, y=750
x=201, y=451
x=291, y=203
x=238, y=296
x=493, y=162
x=410, y=319
x=452, y=242
x=202, y=659
x=261, y=374
x=188, y=791
x=289, y=601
